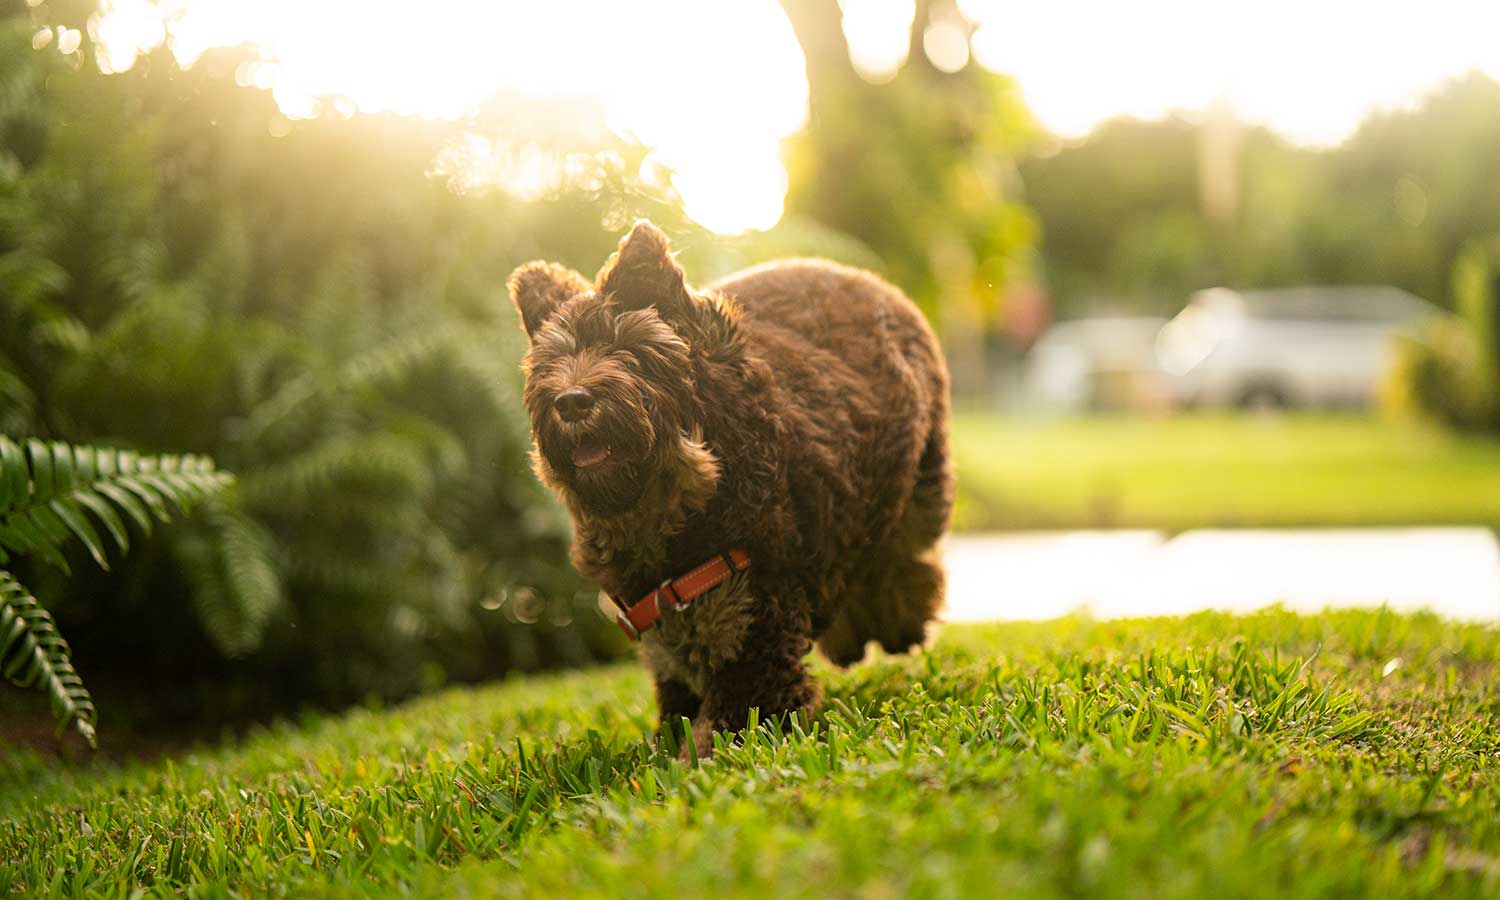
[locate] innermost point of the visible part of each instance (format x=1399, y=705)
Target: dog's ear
x=539, y=288
x=643, y=273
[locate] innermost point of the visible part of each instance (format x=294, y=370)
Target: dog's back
x=835, y=308
x=865, y=390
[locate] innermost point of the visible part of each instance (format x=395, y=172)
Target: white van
x=1105, y=363
x=1288, y=347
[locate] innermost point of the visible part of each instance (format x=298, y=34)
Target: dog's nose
x=574, y=403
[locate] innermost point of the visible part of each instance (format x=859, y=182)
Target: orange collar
x=680, y=592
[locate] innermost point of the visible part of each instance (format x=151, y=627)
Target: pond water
x=1114, y=574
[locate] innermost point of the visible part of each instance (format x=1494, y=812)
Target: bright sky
x=714, y=86
x=1310, y=69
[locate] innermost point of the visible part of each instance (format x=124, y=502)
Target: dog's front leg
x=767, y=674
x=675, y=701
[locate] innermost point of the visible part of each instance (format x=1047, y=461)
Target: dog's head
x=609, y=382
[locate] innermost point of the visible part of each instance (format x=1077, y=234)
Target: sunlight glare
x=125, y=29
x=878, y=34
x=946, y=44
x=713, y=88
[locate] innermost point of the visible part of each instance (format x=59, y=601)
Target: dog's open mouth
x=589, y=453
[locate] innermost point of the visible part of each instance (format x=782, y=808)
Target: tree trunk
x=819, y=27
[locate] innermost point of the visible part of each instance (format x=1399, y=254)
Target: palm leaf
x=34, y=655
x=51, y=492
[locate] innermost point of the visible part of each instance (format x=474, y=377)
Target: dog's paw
x=702, y=744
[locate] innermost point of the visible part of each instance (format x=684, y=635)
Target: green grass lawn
x=1349, y=754
x=1219, y=470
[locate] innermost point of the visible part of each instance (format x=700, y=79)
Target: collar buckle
x=665, y=588
x=627, y=626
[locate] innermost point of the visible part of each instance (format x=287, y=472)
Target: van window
x=1374, y=304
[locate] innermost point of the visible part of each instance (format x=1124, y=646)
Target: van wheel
x=1263, y=397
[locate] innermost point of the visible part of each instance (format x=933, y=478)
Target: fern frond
x=17, y=402
x=34, y=655
x=230, y=561
x=383, y=464
x=377, y=367
x=50, y=492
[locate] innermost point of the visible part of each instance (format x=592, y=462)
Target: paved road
x=1112, y=574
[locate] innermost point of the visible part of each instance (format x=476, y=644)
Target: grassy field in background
x=1349, y=754
x=1219, y=471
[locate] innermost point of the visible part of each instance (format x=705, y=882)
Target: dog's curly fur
x=797, y=410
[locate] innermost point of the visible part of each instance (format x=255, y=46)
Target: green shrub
x=328, y=322
x=1437, y=373
x=1450, y=370
x=1476, y=290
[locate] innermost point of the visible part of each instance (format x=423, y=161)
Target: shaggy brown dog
x=780, y=435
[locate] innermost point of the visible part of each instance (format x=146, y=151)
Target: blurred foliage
x=1139, y=214
x=325, y=320
x=1450, y=371
x=919, y=168
x=1476, y=289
